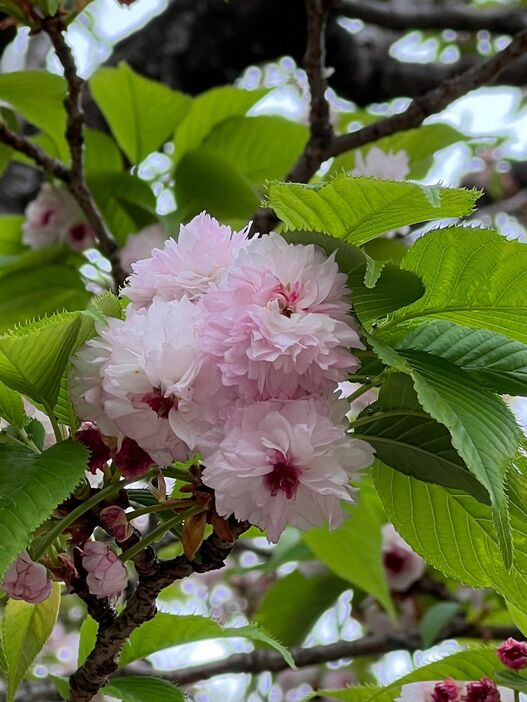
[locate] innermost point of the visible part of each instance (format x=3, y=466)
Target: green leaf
x=455, y=534
x=489, y=358
x=411, y=441
x=126, y=202
x=32, y=486
x=465, y=665
x=361, y=209
x=353, y=550
x=11, y=235
x=87, y=639
x=510, y=678
x=483, y=429
x=62, y=685
x=420, y=145
x=11, y=407
x=473, y=277
x=263, y=147
x=518, y=616
x=34, y=292
x=293, y=604
x=27, y=627
x=136, y=688
x=208, y=110
x=34, y=357
x=47, y=113
x=434, y=621
x=141, y=113
x=167, y=630
x=206, y=181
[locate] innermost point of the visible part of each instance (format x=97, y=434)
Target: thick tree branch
x=54, y=28
x=153, y=577
x=423, y=16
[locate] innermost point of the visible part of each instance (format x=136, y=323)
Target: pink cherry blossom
x=285, y=462
x=379, y=164
x=27, y=580
x=107, y=576
x=141, y=245
x=401, y=564
x=186, y=267
x=277, y=325
x=114, y=520
x=92, y=438
x=146, y=379
x=513, y=654
x=55, y=217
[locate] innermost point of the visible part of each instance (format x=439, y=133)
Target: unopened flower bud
x=485, y=690
x=446, y=691
x=513, y=654
x=114, y=520
x=27, y=580
x=107, y=576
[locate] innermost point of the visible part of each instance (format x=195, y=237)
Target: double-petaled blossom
x=55, y=217
x=379, y=164
x=401, y=564
x=285, y=462
x=27, y=580
x=513, y=654
x=146, y=379
x=277, y=324
x=449, y=690
x=188, y=266
x=114, y=520
x=141, y=245
x=106, y=575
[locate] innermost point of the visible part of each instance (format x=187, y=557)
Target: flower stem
x=159, y=531
x=159, y=507
x=389, y=413
x=363, y=389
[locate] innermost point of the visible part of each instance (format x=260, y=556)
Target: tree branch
x=153, y=577
x=422, y=16
x=35, y=153
x=54, y=28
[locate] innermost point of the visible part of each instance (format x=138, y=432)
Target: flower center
x=46, y=217
x=157, y=402
x=77, y=232
x=288, y=297
x=284, y=477
x=395, y=560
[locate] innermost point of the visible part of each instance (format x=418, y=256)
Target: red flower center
x=288, y=297
x=284, y=477
x=77, y=232
x=395, y=560
x=157, y=402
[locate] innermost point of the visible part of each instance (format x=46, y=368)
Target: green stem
x=27, y=441
x=363, y=389
x=389, y=413
x=159, y=532
x=149, y=509
x=55, y=426
x=179, y=473
x=81, y=509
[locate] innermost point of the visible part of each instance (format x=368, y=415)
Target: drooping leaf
x=455, y=533
x=435, y=619
x=293, y=604
x=463, y=666
x=32, y=486
x=87, y=639
x=353, y=550
x=139, y=688
x=489, y=358
x=408, y=439
x=27, y=627
x=11, y=406
x=361, y=209
x=208, y=110
x=262, y=147
x=473, y=277
x=511, y=679
x=141, y=113
x=47, y=113
x=170, y=630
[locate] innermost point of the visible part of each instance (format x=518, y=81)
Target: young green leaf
x=32, y=486
x=27, y=627
x=361, y=209
x=141, y=113
x=353, y=550
x=143, y=689
x=167, y=630
x=11, y=407
x=435, y=620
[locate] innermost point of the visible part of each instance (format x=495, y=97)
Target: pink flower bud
x=27, y=580
x=107, y=576
x=401, y=564
x=485, y=690
x=446, y=691
x=91, y=437
x=115, y=522
x=513, y=654
x=131, y=460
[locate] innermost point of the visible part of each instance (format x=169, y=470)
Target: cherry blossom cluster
x=232, y=348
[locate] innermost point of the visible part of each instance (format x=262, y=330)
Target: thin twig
x=35, y=153
x=54, y=28
x=424, y=16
